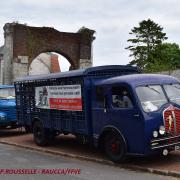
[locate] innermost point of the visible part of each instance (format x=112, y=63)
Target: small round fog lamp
x=155, y=134
x=161, y=130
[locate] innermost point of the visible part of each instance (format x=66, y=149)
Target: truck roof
x=140, y=79
x=92, y=71
x=6, y=86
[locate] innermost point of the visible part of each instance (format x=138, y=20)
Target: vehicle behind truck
x=113, y=107
x=7, y=107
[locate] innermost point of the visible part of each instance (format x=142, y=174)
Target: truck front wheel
x=40, y=134
x=114, y=146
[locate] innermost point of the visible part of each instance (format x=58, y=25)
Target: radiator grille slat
x=172, y=120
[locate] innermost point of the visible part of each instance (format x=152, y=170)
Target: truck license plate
x=177, y=148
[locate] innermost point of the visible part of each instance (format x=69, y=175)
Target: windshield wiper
x=175, y=86
x=153, y=89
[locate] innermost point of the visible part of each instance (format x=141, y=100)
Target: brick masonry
x=27, y=41
x=55, y=63
x=44, y=63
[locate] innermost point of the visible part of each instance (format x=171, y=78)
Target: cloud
x=112, y=20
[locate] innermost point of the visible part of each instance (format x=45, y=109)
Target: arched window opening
x=48, y=62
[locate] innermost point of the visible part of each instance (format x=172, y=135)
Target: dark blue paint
x=7, y=110
x=137, y=131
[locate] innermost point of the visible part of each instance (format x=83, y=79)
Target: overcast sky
x=111, y=19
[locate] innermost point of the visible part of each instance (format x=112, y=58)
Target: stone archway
x=23, y=43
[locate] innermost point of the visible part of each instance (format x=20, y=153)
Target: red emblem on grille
x=171, y=117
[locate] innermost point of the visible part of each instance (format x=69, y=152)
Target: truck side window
x=121, y=98
x=100, y=96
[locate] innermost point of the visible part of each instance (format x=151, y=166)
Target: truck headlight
x=162, y=130
x=155, y=134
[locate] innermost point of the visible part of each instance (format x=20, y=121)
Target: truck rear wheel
x=40, y=134
x=114, y=146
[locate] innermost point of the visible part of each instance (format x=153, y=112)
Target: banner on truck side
x=62, y=97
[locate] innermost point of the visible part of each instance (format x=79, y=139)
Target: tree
x=166, y=57
x=146, y=38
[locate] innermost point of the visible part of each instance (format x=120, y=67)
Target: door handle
x=136, y=115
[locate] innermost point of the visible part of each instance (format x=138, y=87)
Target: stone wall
x=175, y=73
x=1, y=71
x=45, y=63
x=20, y=69
x=1, y=64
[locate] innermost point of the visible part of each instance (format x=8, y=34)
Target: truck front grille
x=172, y=120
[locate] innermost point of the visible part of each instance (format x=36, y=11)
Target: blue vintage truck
x=113, y=107
x=7, y=107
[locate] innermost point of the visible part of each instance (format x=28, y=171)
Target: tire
x=115, y=147
x=40, y=134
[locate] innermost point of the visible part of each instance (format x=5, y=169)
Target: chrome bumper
x=165, y=142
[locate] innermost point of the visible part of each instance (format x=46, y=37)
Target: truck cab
x=136, y=114
x=7, y=107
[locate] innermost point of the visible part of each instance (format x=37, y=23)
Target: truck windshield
x=173, y=92
x=151, y=97
x=7, y=93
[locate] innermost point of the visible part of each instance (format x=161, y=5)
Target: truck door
x=125, y=115
x=116, y=107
